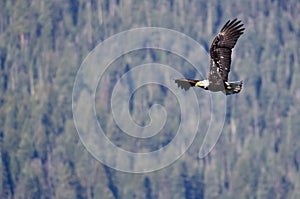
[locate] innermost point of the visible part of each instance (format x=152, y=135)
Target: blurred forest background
x=43, y=43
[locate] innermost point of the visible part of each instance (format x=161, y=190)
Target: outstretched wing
x=220, y=49
x=186, y=83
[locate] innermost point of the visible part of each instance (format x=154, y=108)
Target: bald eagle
x=220, y=60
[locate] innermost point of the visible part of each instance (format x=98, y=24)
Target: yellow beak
x=198, y=84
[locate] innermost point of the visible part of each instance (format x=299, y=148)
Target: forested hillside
x=42, y=45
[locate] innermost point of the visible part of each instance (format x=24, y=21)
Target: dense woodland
x=42, y=45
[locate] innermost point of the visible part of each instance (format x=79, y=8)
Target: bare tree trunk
x=100, y=14
x=89, y=22
x=31, y=81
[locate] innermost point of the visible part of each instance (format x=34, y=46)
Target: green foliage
x=42, y=44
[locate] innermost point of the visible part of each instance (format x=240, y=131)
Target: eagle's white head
x=203, y=84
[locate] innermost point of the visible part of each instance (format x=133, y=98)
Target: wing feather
x=221, y=48
x=185, y=83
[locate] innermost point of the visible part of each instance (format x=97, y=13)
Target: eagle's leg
x=233, y=87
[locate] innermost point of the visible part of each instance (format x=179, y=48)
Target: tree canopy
x=42, y=45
